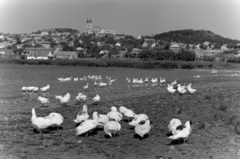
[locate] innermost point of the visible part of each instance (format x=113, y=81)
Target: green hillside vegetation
x=190, y=36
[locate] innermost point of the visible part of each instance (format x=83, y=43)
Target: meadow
x=214, y=110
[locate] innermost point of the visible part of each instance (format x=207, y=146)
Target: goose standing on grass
x=85, y=87
x=143, y=128
x=44, y=101
x=127, y=112
x=87, y=125
x=45, y=88
x=96, y=99
x=173, y=124
x=190, y=89
x=56, y=119
x=114, y=114
x=82, y=115
x=40, y=123
x=183, y=132
x=138, y=118
x=111, y=127
x=64, y=100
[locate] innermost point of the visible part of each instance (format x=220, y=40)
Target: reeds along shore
x=126, y=63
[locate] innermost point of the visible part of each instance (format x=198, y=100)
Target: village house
x=136, y=51
x=65, y=54
x=175, y=48
x=38, y=53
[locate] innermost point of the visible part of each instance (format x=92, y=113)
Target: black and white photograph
x=119, y=79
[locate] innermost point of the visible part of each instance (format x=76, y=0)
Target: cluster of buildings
x=48, y=44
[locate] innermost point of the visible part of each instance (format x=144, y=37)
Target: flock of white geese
x=110, y=122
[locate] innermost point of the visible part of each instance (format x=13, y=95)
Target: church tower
x=89, y=26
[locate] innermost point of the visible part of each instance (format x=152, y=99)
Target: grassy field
x=214, y=110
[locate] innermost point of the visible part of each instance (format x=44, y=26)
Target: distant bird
x=75, y=79
x=127, y=112
x=45, y=88
x=56, y=119
x=183, y=132
x=44, y=101
x=190, y=89
x=87, y=125
x=114, y=114
x=24, y=89
x=143, y=128
x=102, y=84
x=85, y=87
x=111, y=127
x=40, y=123
x=146, y=80
x=96, y=99
x=138, y=118
x=162, y=80
x=173, y=124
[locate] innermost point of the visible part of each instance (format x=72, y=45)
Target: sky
x=132, y=17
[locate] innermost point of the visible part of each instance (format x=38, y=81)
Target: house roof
x=38, y=52
x=65, y=53
x=175, y=46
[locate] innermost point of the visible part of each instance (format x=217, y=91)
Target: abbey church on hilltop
x=90, y=29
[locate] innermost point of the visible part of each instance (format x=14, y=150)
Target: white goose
x=56, y=119
x=45, y=88
x=170, y=89
x=114, y=114
x=85, y=87
x=96, y=99
x=183, y=133
x=102, y=119
x=87, y=125
x=44, y=101
x=82, y=115
x=111, y=127
x=80, y=98
x=64, y=100
x=173, y=124
x=190, y=89
x=181, y=89
x=142, y=129
x=40, y=123
x=138, y=118
x=127, y=112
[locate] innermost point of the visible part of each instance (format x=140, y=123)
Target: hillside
x=191, y=36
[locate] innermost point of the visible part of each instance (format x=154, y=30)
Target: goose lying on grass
x=127, y=112
x=181, y=89
x=80, y=98
x=45, y=88
x=114, y=114
x=143, y=128
x=138, y=118
x=173, y=124
x=170, y=89
x=44, y=101
x=190, y=89
x=111, y=127
x=182, y=132
x=87, y=125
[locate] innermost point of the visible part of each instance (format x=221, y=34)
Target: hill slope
x=191, y=36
